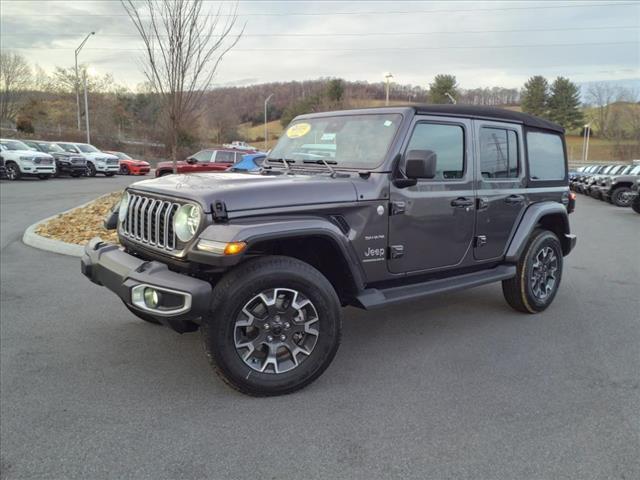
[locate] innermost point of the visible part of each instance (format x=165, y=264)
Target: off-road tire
x=13, y=171
x=91, y=170
x=518, y=290
x=635, y=203
x=142, y=316
x=231, y=295
x=617, y=196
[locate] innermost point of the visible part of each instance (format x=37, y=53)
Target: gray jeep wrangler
x=367, y=208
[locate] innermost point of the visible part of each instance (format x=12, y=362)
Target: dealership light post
x=266, y=133
x=387, y=78
x=585, y=143
x=86, y=107
x=78, y=77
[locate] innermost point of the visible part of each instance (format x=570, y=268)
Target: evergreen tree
x=443, y=84
x=564, y=104
x=535, y=96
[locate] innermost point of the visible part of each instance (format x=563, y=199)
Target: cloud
x=440, y=37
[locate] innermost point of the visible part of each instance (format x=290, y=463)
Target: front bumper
x=109, y=266
x=71, y=168
x=106, y=168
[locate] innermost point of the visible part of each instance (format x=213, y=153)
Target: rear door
x=501, y=185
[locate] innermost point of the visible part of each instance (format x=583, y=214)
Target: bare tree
x=15, y=77
x=184, y=47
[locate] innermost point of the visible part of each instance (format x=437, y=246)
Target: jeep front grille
x=150, y=221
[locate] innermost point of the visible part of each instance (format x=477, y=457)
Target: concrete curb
x=31, y=238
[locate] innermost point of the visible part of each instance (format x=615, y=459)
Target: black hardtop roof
x=467, y=111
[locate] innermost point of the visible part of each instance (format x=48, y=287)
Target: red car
x=131, y=166
x=209, y=160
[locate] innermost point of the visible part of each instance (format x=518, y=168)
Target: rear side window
x=546, y=156
x=447, y=141
x=498, y=153
x=225, y=157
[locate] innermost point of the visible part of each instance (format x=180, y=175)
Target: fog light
x=151, y=297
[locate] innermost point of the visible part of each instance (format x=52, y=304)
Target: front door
x=501, y=186
x=431, y=223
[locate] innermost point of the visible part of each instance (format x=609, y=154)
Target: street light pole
x=78, y=77
x=387, y=77
x=585, y=143
x=86, y=108
x=266, y=133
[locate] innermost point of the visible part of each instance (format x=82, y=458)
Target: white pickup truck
x=97, y=161
x=22, y=161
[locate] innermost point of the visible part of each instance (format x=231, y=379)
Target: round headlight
x=186, y=221
x=123, y=208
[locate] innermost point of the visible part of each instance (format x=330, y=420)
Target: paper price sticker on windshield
x=298, y=130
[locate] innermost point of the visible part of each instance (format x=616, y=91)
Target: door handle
x=514, y=199
x=461, y=202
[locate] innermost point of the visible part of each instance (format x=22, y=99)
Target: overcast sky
x=292, y=40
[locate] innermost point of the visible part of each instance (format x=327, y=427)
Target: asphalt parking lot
x=457, y=386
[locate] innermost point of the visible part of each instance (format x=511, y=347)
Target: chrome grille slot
x=150, y=222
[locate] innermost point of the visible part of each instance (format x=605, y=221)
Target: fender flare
x=531, y=218
x=298, y=227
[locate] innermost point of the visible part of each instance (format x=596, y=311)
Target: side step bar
x=374, y=298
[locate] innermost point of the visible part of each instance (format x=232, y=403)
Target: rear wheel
x=91, y=170
x=275, y=326
x=620, y=197
x=538, y=274
x=13, y=171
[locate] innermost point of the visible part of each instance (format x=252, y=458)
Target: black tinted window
x=498, y=153
x=546, y=156
x=225, y=157
x=447, y=141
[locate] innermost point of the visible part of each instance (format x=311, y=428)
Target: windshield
x=50, y=147
x=67, y=147
x=86, y=148
x=15, y=145
x=635, y=171
x=352, y=141
x=121, y=155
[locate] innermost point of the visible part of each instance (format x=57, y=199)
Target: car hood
x=246, y=191
x=32, y=153
x=94, y=155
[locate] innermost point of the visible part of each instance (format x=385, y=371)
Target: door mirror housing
x=192, y=160
x=421, y=164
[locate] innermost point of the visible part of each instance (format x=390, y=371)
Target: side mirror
x=421, y=164
x=192, y=160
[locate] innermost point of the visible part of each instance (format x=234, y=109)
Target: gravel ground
x=457, y=386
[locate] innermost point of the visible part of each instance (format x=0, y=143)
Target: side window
x=224, y=157
x=203, y=156
x=498, y=153
x=546, y=156
x=447, y=141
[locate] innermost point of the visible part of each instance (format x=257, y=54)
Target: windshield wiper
x=286, y=161
x=324, y=162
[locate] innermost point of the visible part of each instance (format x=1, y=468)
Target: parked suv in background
x=66, y=163
x=616, y=188
x=22, y=161
x=130, y=166
x=209, y=160
x=368, y=208
x=97, y=161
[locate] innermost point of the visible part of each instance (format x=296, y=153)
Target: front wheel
x=91, y=170
x=275, y=326
x=13, y=171
x=538, y=274
x=620, y=197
